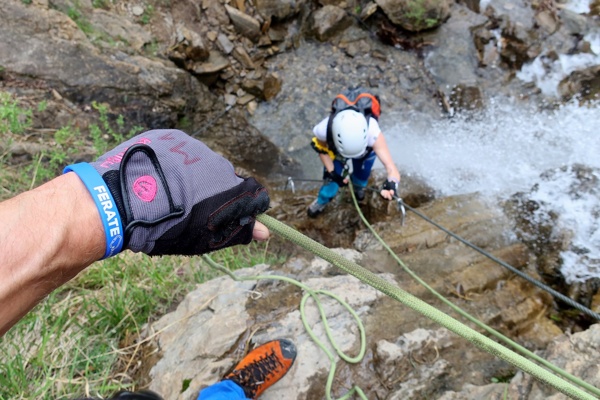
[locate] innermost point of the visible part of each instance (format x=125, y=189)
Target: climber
x=351, y=132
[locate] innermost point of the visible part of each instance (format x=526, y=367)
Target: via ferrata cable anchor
x=290, y=182
x=402, y=210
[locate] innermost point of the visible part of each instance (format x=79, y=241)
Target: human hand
x=389, y=190
x=164, y=192
x=337, y=178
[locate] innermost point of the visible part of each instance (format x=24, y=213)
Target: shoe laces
x=256, y=373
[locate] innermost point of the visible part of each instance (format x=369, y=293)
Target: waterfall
x=503, y=150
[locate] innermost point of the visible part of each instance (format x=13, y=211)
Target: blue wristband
x=105, y=203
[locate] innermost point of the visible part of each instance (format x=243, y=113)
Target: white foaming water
x=547, y=73
x=503, y=151
x=578, y=6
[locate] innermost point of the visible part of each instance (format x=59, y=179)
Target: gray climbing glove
x=172, y=194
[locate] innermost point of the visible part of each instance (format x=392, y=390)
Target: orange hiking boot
x=263, y=366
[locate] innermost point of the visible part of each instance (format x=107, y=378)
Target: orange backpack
x=358, y=100
x=353, y=99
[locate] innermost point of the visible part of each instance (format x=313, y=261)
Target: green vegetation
x=105, y=4
x=503, y=379
x=147, y=15
x=417, y=13
x=104, y=136
x=151, y=49
x=13, y=118
x=83, y=339
x=84, y=24
x=80, y=20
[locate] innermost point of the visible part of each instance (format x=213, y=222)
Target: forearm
x=47, y=236
x=392, y=172
x=383, y=153
x=327, y=162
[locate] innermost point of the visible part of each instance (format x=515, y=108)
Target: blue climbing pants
x=361, y=170
x=223, y=390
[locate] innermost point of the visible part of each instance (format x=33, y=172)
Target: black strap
x=174, y=211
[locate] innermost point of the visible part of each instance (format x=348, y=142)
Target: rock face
x=407, y=355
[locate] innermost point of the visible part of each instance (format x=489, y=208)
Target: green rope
x=310, y=293
x=420, y=306
x=480, y=324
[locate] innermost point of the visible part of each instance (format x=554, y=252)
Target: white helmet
x=349, y=131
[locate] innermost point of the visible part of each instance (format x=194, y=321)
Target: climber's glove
x=164, y=192
x=334, y=177
x=391, y=185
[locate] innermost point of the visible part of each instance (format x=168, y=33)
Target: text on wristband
x=108, y=207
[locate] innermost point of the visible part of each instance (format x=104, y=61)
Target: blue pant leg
x=330, y=189
x=361, y=169
x=223, y=390
x=327, y=192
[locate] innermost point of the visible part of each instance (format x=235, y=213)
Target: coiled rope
x=425, y=309
x=310, y=293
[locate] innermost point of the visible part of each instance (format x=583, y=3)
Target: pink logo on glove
x=145, y=188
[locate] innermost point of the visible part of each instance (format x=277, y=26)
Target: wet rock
x=486, y=274
x=575, y=23
x=280, y=9
x=245, y=99
x=584, y=85
x=465, y=98
x=190, y=46
x=277, y=34
x=416, y=15
x=208, y=71
x=215, y=13
x=225, y=44
x=328, y=21
x=547, y=20
x=244, y=24
x=367, y=10
x=546, y=233
x=356, y=48
x=595, y=8
x=519, y=39
x=264, y=89
x=453, y=45
x=242, y=56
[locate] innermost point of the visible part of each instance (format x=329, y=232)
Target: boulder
x=328, y=21
x=416, y=15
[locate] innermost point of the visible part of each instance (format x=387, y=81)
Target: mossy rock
x=416, y=15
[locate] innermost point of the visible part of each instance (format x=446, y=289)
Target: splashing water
x=504, y=150
x=547, y=73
